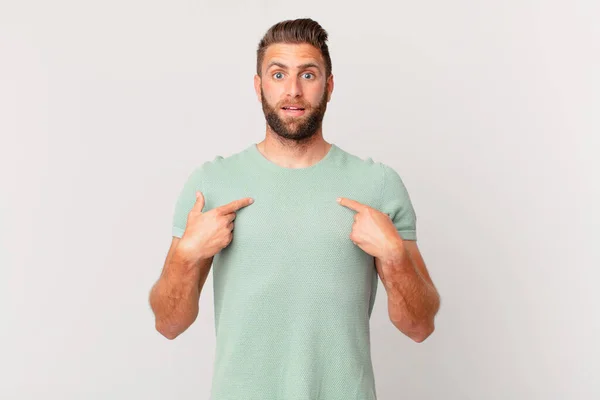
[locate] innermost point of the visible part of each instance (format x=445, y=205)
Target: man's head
x=293, y=78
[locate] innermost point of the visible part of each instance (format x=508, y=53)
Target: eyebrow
x=301, y=66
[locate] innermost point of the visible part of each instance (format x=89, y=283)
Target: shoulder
x=219, y=165
x=357, y=163
x=382, y=177
x=371, y=167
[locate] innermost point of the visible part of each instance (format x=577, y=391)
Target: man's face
x=294, y=90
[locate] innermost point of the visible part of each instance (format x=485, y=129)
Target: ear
x=329, y=87
x=257, y=82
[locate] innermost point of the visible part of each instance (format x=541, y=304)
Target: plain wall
x=488, y=110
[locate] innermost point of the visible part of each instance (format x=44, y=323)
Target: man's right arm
x=174, y=298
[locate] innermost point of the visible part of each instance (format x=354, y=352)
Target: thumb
x=199, y=200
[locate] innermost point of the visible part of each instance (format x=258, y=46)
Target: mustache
x=301, y=105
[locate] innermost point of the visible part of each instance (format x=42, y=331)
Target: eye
x=308, y=73
x=277, y=73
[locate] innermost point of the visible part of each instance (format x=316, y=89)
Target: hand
x=207, y=233
x=373, y=231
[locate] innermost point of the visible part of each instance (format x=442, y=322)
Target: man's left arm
x=413, y=300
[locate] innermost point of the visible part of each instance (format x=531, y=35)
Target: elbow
x=417, y=332
x=422, y=333
x=169, y=335
x=169, y=332
x=425, y=329
x=170, y=329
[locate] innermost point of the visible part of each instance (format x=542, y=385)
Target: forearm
x=412, y=300
x=174, y=298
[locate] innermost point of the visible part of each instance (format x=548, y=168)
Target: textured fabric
x=292, y=294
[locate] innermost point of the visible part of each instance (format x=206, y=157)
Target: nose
x=294, y=88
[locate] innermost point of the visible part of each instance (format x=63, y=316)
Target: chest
x=297, y=223
x=294, y=243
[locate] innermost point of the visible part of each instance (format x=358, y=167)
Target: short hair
x=297, y=31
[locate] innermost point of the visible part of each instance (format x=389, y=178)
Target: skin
x=293, y=141
x=174, y=297
x=293, y=74
x=413, y=300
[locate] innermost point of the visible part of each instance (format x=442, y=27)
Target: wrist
x=394, y=252
x=188, y=254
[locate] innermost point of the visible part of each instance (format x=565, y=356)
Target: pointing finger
x=236, y=205
x=352, y=204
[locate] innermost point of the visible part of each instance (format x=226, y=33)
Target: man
x=295, y=281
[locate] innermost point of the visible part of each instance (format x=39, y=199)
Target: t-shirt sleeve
x=396, y=202
x=186, y=200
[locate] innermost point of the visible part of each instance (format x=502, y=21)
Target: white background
x=488, y=110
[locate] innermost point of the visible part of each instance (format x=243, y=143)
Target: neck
x=289, y=153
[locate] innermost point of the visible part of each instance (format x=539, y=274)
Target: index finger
x=236, y=205
x=352, y=204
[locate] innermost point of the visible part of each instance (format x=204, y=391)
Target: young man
x=315, y=228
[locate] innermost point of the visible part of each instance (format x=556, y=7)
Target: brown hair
x=302, y=30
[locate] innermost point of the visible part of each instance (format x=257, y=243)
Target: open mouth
x=293, y=108
x=293, y=111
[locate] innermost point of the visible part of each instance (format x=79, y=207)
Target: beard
x=298, y=129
